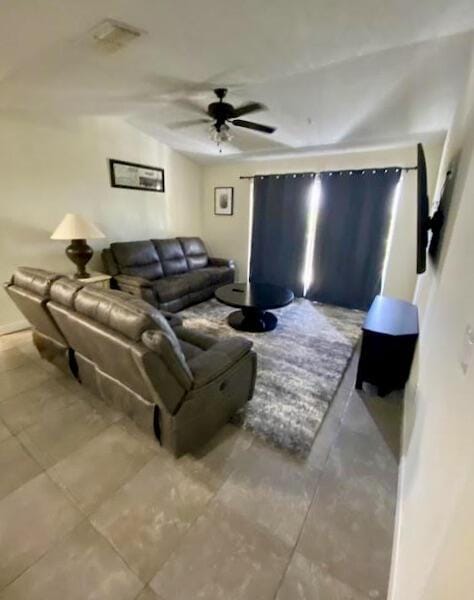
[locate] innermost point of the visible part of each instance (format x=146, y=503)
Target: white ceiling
x=333, y=73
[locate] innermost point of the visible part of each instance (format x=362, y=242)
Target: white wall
x=49, y=168
x=434, y=542
x=229, y=236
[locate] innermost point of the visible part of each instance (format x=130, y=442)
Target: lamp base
x=80, y=254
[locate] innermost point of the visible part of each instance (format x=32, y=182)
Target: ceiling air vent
x=111, y=36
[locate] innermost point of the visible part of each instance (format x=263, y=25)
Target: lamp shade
x=75, y=227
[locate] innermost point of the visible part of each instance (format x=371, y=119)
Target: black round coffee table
x=253, y=299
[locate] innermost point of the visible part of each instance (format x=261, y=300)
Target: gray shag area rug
x=299, y=367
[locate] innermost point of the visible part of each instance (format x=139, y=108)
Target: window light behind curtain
x=354, y=213
x=323, y=237
x=279, y=232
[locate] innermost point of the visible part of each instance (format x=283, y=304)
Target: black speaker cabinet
x=390, y=333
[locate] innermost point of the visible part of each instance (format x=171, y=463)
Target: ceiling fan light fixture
x=221, y=134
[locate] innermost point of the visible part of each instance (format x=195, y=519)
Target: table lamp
x=77, y=229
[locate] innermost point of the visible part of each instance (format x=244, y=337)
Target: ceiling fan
x=220, y=114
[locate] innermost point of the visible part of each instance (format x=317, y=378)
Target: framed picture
x=136, y=177
x=224, y=201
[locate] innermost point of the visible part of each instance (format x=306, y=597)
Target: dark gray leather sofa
x=176, y=382
x=170, y=273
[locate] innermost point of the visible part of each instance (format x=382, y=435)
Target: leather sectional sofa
x=173, y=381
x=169, y=273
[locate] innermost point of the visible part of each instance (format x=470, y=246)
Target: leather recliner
x=176, y=382
x=169, y=273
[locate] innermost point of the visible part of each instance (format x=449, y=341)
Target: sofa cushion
x=195, y=252
x=121, y=312
x=139, y=259
x=219, y=275
x=171, y=288
x=197, y=280
x=171, y=256
x=177, y=286
x=189, y=350
x=223, y=355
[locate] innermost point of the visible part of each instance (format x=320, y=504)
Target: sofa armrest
x=220, y=357
x=110, y=265
x=137, y=286
x=221, y=262
x=201, y=340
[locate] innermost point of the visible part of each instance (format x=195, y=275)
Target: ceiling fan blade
x=190, y=105
x=254, y=126
x=248, y=108
x=190, y=123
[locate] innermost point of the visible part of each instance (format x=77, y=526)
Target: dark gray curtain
x=352, y=226
x=280, y=216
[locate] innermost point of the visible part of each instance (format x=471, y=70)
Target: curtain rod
x=323, y=172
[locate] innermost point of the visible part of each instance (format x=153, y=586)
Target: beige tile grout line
x=87, y=517
x=73, y=501
x=60, y=537
x=193, y=522
x=191, y=525
x=321, y=472
x=185, y=534
x=340, y=425
x=43, y=470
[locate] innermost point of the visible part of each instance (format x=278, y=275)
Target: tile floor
x=92, y=508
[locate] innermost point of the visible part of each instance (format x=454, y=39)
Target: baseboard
x=12, y=327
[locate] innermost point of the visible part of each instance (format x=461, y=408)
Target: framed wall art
x=224, y=201
x=134, y=176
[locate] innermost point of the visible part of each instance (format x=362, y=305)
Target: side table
x=390, y=333
x=101, y=280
